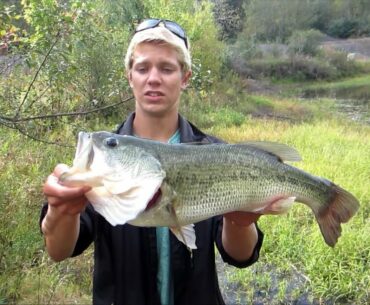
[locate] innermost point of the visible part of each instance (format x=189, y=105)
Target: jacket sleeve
x=87, y=230
x=226, y=257
x=86, y=235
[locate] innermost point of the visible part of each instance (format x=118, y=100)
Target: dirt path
x=359, y=46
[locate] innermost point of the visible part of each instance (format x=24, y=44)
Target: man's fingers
x=60, y=169
x=52, y=188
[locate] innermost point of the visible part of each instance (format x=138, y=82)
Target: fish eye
x=112, y=142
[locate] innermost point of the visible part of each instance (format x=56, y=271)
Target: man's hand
x=63, y=199
x=61, y=223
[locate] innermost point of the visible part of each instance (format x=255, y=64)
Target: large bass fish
x=148, y=183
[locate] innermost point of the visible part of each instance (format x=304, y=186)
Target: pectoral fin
x=186, y=235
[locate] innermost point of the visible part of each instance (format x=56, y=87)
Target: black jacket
x=125, y=256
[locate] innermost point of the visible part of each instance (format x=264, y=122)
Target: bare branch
x=21, y=131
x=57, y=36
x=7, y=124
x=38, y=98
x=16, y=120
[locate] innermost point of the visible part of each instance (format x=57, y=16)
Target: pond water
x=353, y=102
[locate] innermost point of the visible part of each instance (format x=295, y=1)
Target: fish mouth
x=84, y=152
x=83, y=158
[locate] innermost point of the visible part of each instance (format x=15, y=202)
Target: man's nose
x=154, y=76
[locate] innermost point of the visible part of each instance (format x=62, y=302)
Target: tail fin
x=340, y=210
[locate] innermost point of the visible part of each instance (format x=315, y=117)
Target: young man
x=135, y=265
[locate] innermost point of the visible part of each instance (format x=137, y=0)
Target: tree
x=229, y=15
x=73, y=63
x=72, y=68
x=276, y=20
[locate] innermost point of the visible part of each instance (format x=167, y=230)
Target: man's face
x=156, y=79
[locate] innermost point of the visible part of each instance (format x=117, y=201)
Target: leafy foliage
x=276, y=20
x=74, y=65
x=229, y=16
x=343, y=28
x=305, y=42
x=74, y=58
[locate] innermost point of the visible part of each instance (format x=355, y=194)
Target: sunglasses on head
x=172, y=26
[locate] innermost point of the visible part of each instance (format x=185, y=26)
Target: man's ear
x=185, y=80
x=129, y=78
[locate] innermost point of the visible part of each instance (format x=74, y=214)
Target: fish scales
x=193, y=171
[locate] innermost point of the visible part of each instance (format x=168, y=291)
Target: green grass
x=291, y=89
x=336, y=150
x=26, y=273
x=352, y=82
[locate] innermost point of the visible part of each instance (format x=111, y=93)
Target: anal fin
x=278, y=206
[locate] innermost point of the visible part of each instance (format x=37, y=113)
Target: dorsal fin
x=282, y=151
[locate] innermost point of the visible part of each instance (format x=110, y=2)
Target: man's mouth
x=154, y=93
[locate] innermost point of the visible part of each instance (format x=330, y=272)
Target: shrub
x=229, y=15
x=343, y=27
x=339, y=60
x=297, y=67
x=325, y=65
x=304, y=42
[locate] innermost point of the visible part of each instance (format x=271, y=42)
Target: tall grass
x=26, y=273
x=339, y=151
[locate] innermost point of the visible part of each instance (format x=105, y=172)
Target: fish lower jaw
x=80, y=179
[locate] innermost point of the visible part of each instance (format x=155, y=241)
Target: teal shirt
x=164, y=279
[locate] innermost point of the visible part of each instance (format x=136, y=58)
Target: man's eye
x=167, y=70
x=141, y=69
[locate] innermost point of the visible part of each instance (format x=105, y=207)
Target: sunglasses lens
x=176, y=29
x=147, y=24
x=170, y=25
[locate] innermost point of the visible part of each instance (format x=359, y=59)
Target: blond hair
x=159, y=34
